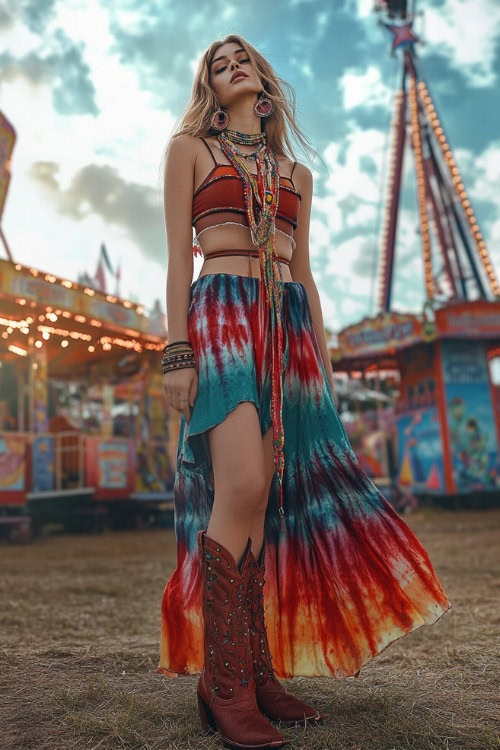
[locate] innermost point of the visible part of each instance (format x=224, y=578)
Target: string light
x=422, y=199
x=125, y=343
x=45, y=331
x=17, y=350
x=13, y=323
x=52, y=279
x=64, y=332
x=460, y=189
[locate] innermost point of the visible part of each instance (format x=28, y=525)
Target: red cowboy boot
x=226, y=689
x=272, y=698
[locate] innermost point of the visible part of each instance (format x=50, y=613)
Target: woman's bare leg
x=257, y=527
x=240, y=480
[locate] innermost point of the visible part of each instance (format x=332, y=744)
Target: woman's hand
x=180, y=388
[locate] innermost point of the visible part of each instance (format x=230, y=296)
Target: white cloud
x=487, y=168
x=484, y=186
x=344, y=258
x=352, y=192
x=365, y=88
x=348, y=201
x=363, y=8
x=330, y=310
x=319, y=237
x=331, y=213
x=363, y=215
x=467, y=33
x=129, y=135
x=351, y=307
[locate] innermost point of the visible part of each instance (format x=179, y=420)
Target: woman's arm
x=300, y=267
x=178, y=200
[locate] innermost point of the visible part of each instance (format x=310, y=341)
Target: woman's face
x=228, y=61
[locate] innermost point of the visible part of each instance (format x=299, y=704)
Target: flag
x=99, y=278
x=105, y=258
x=118, y=276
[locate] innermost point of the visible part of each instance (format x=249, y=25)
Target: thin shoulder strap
x=211, y=152
x=291, y=174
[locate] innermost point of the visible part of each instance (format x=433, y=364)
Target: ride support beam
x=459, y=188
x=386, y=264
x=421, y=187
x=446, y=202
x=452, y=212
x=428, y=173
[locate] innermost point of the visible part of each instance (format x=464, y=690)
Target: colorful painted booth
x=447, y=418
x=82, y=410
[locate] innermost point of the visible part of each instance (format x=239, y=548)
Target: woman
x=266, y=479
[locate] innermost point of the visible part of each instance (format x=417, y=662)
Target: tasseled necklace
x=265, y=187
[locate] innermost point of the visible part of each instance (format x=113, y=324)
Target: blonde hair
x=197, y=115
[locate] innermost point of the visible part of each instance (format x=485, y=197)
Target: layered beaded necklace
x=264, y=187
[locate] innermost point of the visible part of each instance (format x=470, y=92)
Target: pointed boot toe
x=278, y=705
x=272, y=698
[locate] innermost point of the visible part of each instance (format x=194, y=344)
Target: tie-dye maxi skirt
x=347, y=577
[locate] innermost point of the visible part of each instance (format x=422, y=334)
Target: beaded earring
x=263, y=106
x=219, y=120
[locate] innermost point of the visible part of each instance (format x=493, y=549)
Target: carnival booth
x=82, y=411
x=447, y=420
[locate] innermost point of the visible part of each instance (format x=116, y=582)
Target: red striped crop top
x=220, y=200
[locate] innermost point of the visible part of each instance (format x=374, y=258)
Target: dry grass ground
x=79, y=625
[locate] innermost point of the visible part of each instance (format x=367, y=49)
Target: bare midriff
x=232, y=236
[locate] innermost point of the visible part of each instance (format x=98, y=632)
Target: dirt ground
x=79, y=631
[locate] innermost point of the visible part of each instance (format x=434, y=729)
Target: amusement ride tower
x=446, y=426
x=457, y=265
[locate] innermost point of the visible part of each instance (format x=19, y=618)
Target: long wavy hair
x=195, y=120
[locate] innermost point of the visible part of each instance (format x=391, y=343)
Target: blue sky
x=94, y=88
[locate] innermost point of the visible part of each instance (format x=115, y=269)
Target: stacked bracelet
x=178, y=355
